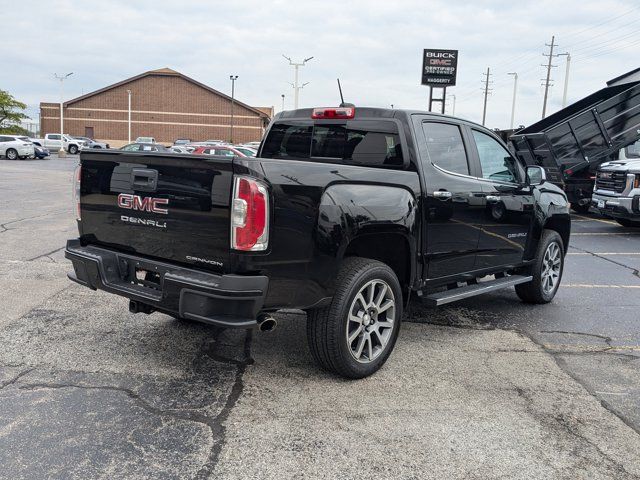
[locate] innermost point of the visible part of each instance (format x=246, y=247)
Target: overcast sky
x=375, y=47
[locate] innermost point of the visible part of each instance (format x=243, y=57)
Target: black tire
x=73, y=149
x=534, y=291
x=11, y=154
x=625, y=222
x=580, y=208
x=328, y=327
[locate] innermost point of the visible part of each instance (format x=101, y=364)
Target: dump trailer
x=573, y=142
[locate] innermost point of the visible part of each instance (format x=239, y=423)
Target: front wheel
x=73, y=149
x=356, y=333
x=546, y=271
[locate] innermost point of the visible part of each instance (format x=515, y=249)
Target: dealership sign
x=439, y=67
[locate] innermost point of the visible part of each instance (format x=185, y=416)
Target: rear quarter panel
x=317, y=209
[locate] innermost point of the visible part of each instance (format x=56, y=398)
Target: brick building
x=164, y=104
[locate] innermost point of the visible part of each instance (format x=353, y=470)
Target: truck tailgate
x=166, y=206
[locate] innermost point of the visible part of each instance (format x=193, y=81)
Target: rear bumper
x=617, y=207
x=223, y=300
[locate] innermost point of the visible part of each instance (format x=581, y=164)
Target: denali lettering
x=143, y=221
x=143, y=204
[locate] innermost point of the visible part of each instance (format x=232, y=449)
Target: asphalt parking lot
x=486, y=388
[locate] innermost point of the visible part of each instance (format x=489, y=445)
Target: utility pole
x=547, y=82
x=296, y=88
x=129, y=116
x=513, y=102
x=486, y=94
x=233, y=79
x=62, y=152
x=453, y=109
x=566, y=78
x=282, y=101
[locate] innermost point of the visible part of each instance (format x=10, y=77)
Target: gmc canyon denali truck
x=345, y=213
x=617, y=189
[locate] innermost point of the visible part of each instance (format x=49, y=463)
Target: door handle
x=442, y=194
x=492, y=198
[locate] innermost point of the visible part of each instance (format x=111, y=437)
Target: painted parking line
x=590, y=285
x=603, y=233
x=601, y=220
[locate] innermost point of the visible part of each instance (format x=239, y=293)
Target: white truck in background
x=54, y=141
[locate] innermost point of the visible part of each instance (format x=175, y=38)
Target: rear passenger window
x=358, y=142
x=445, y=147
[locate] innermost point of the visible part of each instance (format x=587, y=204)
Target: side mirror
x=536, y=175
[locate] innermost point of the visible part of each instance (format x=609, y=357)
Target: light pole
x=513, y=102
x=129, y=116
x=296, y=89
x=62, y=152
x=566, y=78
x=453, y=109
x=233, y=79
x=282, y=101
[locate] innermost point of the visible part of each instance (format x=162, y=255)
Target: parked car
x=253, y=145
x=182, y=141
x=179, y=149
x=346, y=214
x=249, y=152
x=91, y=143
x=617, y=188
x=55, y=141
x=214, y=142
x=144, y=147
x=40, y=152
x=224, y=150
x=145, y=140
x=14, y=147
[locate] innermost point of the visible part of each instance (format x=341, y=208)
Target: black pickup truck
x=346, y=213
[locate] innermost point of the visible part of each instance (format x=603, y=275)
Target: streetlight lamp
x=296, y=89
x=129, y=116
x=62, y=152
x=513, y=102
x=233, y=79
x=282, y=102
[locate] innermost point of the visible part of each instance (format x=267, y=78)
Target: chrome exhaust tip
x=266, y=323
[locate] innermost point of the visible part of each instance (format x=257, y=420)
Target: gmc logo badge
x=143, y=204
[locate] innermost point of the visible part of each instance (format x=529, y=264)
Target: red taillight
x=249, y=215
x=77, y=174
x=330, y=113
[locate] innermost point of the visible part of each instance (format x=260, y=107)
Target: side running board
x=459, y=293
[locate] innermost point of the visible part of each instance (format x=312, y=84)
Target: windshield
x=247, y=151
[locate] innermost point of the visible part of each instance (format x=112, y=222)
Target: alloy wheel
x=551, y=264
x=371, y=321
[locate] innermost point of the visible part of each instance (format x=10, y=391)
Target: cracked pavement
x=485, y=388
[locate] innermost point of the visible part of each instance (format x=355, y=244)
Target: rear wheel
x=12, y=154
x=355, y=335
x=546, y=271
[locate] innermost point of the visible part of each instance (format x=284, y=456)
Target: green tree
x=11, y=113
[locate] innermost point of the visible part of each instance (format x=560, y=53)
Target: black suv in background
x=346, y=213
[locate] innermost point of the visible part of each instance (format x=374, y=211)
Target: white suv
x=12, y=147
